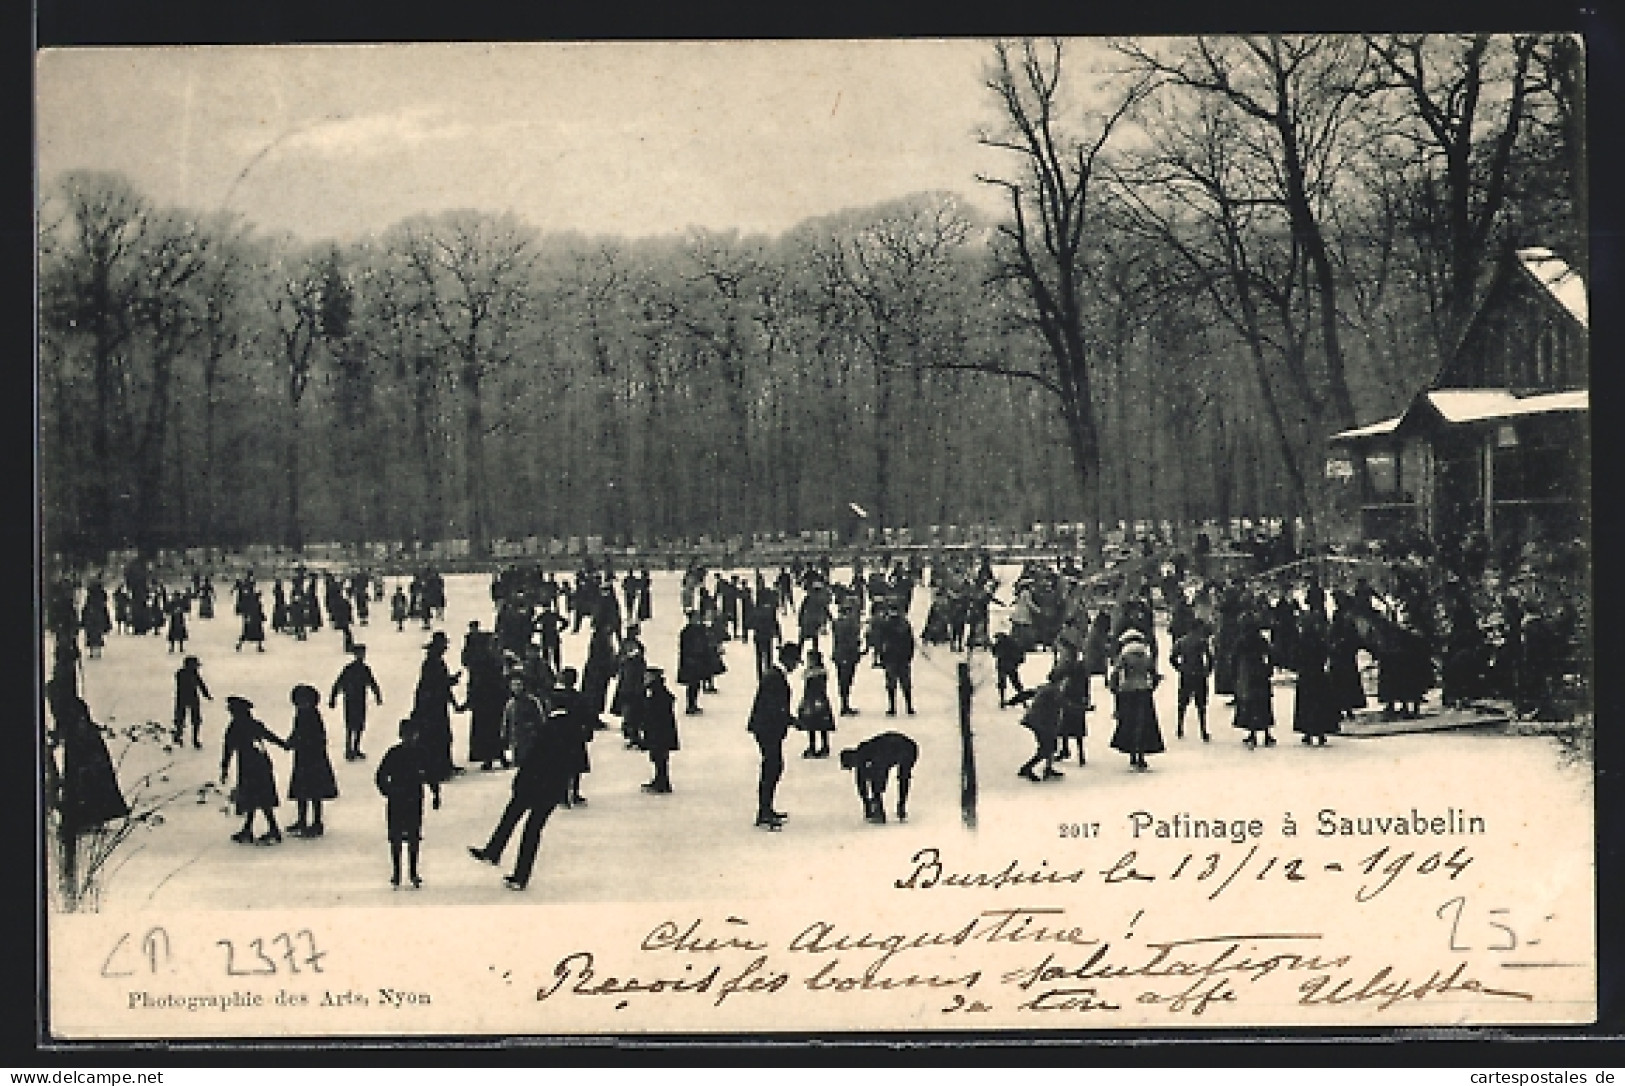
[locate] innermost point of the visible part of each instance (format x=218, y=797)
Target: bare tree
x=1052, y=202
x=1254, y=146
x=89, y=287
x=1461, y=105
x=473, y=271
x=307, y=304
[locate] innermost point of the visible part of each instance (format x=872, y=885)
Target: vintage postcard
x=815, y=537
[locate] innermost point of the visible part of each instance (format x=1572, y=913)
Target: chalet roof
x=1459, y=406
x=1559, y=280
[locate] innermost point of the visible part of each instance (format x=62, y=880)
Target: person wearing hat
x=1008, y=654
x=354, y=681
x=1192, y=657
x=312, y=780
x=189, y=688
x=245, y=741
x=630, y=687
x=896, y=654
x=582, y=720
x=1072, y=677
x=1043, y=718
x=814, y=715
x=658, y=733
x=769, y=722
x=403, y=773
x=693, y=661
x=432, y=704
x=1254, y=711
x=1133, y=678
x=486, y=699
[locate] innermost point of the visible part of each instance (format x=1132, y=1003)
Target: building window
x=1382, y=468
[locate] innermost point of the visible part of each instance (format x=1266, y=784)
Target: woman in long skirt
x=253, y=612
x=1074, y=704
x=487, y=698
x=657, y=730
x=255, y=793
x=1132, y=681
x=312, y=780
x=1342, y=660
x=1315, y=714
x=599, y=669
x=1254, y=713
x=177, y=627
x=815, y=717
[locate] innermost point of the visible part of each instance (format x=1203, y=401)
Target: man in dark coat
x=871, y=762
x=402, y=776
x=432, y=703
x=1193, y=659
x=354, y=681
x=896, y=652
x=541, y=784
x=1008, y=653
x=694, y=661
x=770, y=720
x=847, y=633
x=550, y=625
x=658, y=734
x=1043, y=719
x=763, y=621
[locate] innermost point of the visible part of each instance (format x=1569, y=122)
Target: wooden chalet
x=1498, y=441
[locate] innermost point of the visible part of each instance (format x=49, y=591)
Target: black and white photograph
x=815, y=537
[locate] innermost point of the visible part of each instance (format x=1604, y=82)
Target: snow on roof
x=1560, y=281
x=1464, y=405
x=1375, y=429
x=1459, y=405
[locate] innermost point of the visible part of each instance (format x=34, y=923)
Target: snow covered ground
x=699, y=843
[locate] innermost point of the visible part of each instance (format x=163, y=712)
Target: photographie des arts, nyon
x=807, y=537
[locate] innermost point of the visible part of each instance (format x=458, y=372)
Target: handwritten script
x=964, y=968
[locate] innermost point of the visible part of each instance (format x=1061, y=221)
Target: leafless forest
x=1248, y=244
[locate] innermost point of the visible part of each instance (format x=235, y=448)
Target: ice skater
x=769, y=722
x=815, y=717
x=658, y=734
x=1193, y=659
x=1134, y=676
x=189, y=687
x=1008, y=654
x=1043, y=719
x=397, y=609
x=872, y=761
x=312, y=780
x=245, y=741
x=540, y=785
x=402, y=775
x=354, y=681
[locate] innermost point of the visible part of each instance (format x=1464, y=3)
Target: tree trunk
x=1085, y=446
x=880, y=515
x=479, y=541
x=295, y=539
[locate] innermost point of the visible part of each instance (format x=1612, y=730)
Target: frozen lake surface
x=699, y=842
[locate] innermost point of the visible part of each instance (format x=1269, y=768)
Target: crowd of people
x=530, y=713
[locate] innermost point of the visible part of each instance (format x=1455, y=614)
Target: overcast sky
x=630, y=138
